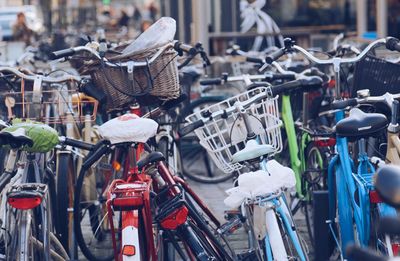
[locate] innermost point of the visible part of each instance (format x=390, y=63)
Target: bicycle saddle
x=151, y=158
x=252, y=150
x=15, y=139
x=128, y=128
x=360, y=124
x=387, y=184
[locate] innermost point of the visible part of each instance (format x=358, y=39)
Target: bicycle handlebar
x=95, y=54
x=275, y=55
x=46, y=79
x=76, y=143
x=62, y=53
x=181, y=48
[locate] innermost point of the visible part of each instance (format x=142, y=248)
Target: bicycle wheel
x=209, y=235
x=91, y=223
x=196, y=163
x=314, y=179
x=65, y=178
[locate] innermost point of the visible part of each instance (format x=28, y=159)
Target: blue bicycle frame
x=351, y=198
x=281, y=206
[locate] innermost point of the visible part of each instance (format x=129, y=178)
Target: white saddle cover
x=128, y=128
x=258, y=183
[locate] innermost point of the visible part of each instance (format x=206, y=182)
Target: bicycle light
x=175, y=218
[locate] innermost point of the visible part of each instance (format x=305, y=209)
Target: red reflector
x=175, y=219
x=325, y=142
x=332, y=83
x=126, y=202
x=374, y=197
x=395, y=248
x=128, y=250
x=25, y=203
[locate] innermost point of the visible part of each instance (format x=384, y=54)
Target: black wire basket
x=377, y=75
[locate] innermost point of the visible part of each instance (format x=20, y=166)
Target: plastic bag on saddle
x=128, y=128
x=258, y=183
x=157, y=35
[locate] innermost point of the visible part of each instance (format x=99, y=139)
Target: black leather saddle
x=361, y=125
x=15, y=139
x=387, y=184
x=151, y=158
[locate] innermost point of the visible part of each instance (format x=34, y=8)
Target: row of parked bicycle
x=96, y=151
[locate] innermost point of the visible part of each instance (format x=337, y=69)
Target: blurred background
x=216, y=23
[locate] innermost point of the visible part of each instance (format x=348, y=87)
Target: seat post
x=362, y=146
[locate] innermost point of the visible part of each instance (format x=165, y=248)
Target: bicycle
x=128, y=202
x=28, y=185
x=308, y=147
x=234, y=139
x=351, y=215
x=55, y=101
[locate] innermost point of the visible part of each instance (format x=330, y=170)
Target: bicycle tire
x=316, y=163
x=191, y=149
x=3, y=156
x=189, y=237
x=209, y=232
x=79, y=234
x=65, y=179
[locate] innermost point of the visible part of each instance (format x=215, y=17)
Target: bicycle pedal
x=26, y=196
x=231, y=226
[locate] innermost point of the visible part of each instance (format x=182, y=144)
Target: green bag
x=44, y=137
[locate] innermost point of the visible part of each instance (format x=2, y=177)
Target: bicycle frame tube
x=280, y=205
x=288, y=122
x=289, y=225
x=344, y=188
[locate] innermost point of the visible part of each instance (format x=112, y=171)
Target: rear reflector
x=25, y=203
x=374, y=197
x=175, y=219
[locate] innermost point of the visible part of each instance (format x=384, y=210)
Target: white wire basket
x=224, y=136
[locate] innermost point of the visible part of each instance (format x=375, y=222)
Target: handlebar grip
x=338, y=105
x=78, y=144
x=393, y=44
x=389, y=225
x=211, y=81
x=356, y=253
x=98, y=150
x=289, y=77
x=275, y=56
x=181, y=47
x=173, y=103
x=90, y=89
x=395, y=111
x=189, y=128
x=62, y=53
x=254, y=60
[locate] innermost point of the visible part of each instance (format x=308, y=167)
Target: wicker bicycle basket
x=377, y=75
x=145, y=85
x=224, y=136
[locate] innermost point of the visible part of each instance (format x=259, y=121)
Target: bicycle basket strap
x=44, y=137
